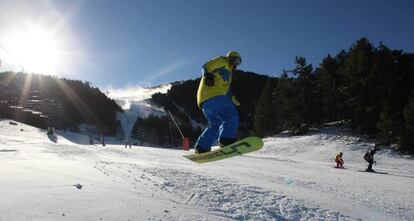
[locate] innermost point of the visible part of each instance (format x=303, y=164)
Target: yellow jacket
x=222, y=72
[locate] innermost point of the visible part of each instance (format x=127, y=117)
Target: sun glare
x=35, y=50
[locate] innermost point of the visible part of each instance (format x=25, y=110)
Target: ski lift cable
x=179, y=130
x=11, y=56
x=4, y=84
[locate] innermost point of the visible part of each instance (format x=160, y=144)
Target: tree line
x=372, y=87
x=62, y=103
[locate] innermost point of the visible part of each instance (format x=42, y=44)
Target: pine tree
x=288, y=101
x=266, y=117
x=406, y=139
x=359, y=72
x=384, y=126
x=310, y=108
x=328, y=83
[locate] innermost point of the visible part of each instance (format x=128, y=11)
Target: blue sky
x=146, y=43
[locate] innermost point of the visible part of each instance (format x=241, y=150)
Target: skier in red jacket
x=339, y=161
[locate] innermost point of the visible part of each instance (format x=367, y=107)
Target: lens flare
x=35, y=49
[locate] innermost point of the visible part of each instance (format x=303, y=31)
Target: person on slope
x=339, y=161
x=369, y=157
x=217, y=102
x=128, y=142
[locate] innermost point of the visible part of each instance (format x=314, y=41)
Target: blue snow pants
x=223, y=121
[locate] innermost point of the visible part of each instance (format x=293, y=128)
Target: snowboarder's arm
x=233, y=98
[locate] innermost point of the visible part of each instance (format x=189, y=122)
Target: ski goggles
x=235, y=61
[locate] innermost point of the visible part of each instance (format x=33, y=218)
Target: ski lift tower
x=185, y=140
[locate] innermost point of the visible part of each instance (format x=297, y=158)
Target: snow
x=136, y=103
x=291, y=178
x=130, y=95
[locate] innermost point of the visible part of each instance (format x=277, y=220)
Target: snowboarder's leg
x=337, y=163
x=369, y=169
x=210, y=134
x=230, y=117
x=207, y=138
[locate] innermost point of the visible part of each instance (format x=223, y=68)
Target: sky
x=141, y=43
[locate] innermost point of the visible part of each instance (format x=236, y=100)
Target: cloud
x=132, y=95
x=168, y=70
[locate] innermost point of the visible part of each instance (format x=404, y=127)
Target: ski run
x=290, y=178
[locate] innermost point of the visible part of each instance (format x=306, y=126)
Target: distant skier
x=369, y=157
x=102, y=139
x=217, y=102
x=51, y=134
x=91, y=139
x=128, y=142
x=50, y=131
x=339, y=161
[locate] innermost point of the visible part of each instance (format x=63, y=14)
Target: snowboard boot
x=226, y=141
x=369, y=169
x=199, y=149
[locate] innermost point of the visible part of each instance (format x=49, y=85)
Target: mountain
x=47, y=101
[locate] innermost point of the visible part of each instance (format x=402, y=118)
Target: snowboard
x=237, y=148
x=372, y=172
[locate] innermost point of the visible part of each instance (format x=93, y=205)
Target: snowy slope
x=135, y=103
x=291, y=178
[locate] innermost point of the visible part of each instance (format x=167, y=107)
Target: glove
x=209, y=80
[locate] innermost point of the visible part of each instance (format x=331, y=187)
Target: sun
x=35, y=49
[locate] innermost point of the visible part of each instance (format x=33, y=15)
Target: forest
x=47, y=101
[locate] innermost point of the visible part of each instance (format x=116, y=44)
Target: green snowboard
x=240, y=147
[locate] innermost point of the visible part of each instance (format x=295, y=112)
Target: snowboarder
x=339, y=161
x=217, y=102
x=369, y=157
